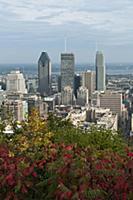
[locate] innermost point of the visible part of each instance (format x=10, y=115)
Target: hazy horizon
x=79, y=63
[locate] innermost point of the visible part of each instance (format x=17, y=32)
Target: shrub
x=53, y=160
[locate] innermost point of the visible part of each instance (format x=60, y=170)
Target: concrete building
x=132, y=124
x=89, y=81
x=67, y=96
x=15, y=96
x=54, y=84
x=3, y=82
x=44, y=74
x=50, y=101
x=95, y=99
x=100, y=71
x=32, y=85
x=67, y=70
x=57, y=99
x=106, y=119
x=15, y=82
x=82, y=96
x=102, y=117
x=112, y=100
x=77, y=117
x=35, y=102
x=2, y=96
x=16, y=109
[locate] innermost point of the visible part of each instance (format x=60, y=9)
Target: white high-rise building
x=67, y=70
x=15, y=82
x=67, y=96
x=100, y=72
x=89, y=81
x=82, y=96
x=44, y=74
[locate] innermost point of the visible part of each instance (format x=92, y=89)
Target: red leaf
x=67, y=156
x=69, y=147
x=10, y=179
x=34, y=174
x=24, y=189
x=130, y=154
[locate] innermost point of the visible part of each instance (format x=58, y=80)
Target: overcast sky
x=28, y=27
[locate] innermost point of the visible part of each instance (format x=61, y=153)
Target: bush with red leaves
x=68, y=172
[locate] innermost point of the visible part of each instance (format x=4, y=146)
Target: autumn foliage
x=37, y=163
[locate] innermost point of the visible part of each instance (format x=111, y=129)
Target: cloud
x=31, y=10
x=102, y=15
x=38, y=21
x=114, y=16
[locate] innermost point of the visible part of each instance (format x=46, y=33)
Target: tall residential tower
x=100, y=71
x=44, y=74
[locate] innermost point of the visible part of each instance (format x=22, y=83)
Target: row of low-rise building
x=89, y=116
x=17, y=108
x=104, y=100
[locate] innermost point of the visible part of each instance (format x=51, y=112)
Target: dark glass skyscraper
x=44, y=74
x=77, y=83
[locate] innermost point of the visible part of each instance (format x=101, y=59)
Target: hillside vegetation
x=49, y=160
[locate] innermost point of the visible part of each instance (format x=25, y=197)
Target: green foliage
x=94, y=194
x=31, y=137
x=54, y=160
x=3, y=138
x=96, y=138
x=57, y=123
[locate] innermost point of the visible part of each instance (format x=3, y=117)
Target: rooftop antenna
x=65, y=45
x=96, y=46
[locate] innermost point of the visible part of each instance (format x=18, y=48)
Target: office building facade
x=100, y=71
x=113, y=101
x=82, y=96
x=15, y=82
x=67, y=96
x=89, y=81
x=67, y=70
x=17, y=109
x=44, y=74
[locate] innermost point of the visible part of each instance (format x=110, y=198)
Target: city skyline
x=26, y=29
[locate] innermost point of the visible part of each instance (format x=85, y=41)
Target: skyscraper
x=44, y=74
x=100, y=71
x=67, y=70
